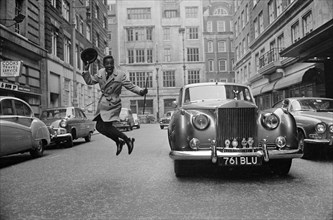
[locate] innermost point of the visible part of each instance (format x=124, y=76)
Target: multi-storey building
x=290, y=49
x=218, y=40
x=22, y=39
x=160, y=45
x=71, y=27
x=112, y=32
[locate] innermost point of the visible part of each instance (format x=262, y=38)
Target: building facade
x=23, y=40
x=160, y=45
x=71, y=27
x=277, y=65
x=218, y=41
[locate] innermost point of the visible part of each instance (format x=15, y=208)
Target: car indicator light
x=280, y=142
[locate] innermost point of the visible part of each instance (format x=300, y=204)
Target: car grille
x=237, y=124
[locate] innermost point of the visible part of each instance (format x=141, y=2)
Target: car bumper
x=59, y=134
x=319, y=141
x=213, y=154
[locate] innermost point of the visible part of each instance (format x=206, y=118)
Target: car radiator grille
x=237, y=124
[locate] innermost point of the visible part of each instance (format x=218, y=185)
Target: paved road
x=89, y=182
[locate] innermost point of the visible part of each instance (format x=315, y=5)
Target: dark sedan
x=314, y=118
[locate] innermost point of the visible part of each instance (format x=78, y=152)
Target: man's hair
x=107, y=57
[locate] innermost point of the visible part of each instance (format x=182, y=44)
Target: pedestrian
x=111, y=80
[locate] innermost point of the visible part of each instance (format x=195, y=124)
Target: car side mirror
x=174, y=104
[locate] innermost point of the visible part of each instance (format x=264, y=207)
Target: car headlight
x=63, y=123
x=201, y=121
x=331, y=129
x=270, y=120
x=320, y=128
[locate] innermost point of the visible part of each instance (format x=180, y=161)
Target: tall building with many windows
x=290, y=48
x=22, y=34
x=160, y=45
x=218, y=40
x=71, y=27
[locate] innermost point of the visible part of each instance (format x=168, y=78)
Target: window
x=192, y=33
x=97, y=40
x=149, y=55
x=231, y=26
x=256, y=62
x=243, y=19
x=67, y=50
x=140, y=55
x=210, y=65
x=220, y=12
x=130, y=55
x=88, y=33
x=295, y=32
x=105, y=22
x=191, y=12
x=271, y=10
x=170, y=13
x=307, y=23
x=81, y=26
x=256, y=32
x=222, y=65
x=220, y=26
x=236, y=29
x=261, y=23
x=210, y=47
x=169, y=79
x=167, y=55
x=221, y=46
x=54, y=3
x=54, y=39
x=192, y=54
x=149, y=33
x=280, y=42
x=65, y=9
x=209, y=26
x=244, y=46
x=166, y=33
x=248, y=40
x=247, y=13
x=130, y=35
x=138, y=13
x=278, y=7
x=96, y=11
x=140, y=78
x=193, y=76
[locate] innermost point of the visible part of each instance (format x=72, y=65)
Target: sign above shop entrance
x=10, y=68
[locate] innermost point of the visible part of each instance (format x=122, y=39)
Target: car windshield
x=123, y=115
x=216, y=92
x=314, y=105
x=52, y=114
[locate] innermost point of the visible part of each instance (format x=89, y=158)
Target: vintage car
x=220, y=123
x=20, y=130
x=126, y=120
x=136, y=121
x=164, y=121
x=314, y=119
x=67, y=124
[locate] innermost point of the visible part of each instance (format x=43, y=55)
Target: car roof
x=305, y=98
x=213, y=83
x=56, y=108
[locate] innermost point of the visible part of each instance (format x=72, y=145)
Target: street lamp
x=182, y=31
x=157, y=66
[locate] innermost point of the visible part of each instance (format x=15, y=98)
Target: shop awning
x=257, y=90
x=268, y=87
x=289, y=80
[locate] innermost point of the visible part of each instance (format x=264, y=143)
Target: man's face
x=109, y=65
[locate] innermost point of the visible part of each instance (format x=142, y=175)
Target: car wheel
x=162, y=127
x=302, y=145
x=130, y=127
x=38, y=151
x=88, y=137
x=281, y=166
x=69, y=142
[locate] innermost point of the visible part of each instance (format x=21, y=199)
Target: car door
x=15, y=127
x=87, y=125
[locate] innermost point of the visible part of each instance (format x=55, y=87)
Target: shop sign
x=14, y=87
x=10, y=68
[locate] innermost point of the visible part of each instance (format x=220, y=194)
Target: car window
x=77, y=113
x=6, y=107
x=82, y=114
x=22, y=109
x=295, y=106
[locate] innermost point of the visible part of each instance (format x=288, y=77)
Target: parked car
x=136, y=121
x=314, y=119
x=126, y=120
x=67, y=124
x=164, y=121
x=220, y=123
x=20, y=130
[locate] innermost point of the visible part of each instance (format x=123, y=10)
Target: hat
x=89, y=55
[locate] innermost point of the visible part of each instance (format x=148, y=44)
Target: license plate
x=240, y=161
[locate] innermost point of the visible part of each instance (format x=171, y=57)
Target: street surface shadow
x=323, y=153
x=14, y=159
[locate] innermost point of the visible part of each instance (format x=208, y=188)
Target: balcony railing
x=270, y=61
